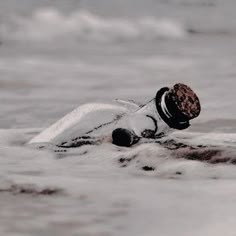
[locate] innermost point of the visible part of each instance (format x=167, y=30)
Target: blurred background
x=58, y=54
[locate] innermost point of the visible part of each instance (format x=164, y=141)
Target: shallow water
x=57, y=55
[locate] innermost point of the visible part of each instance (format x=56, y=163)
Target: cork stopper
x=182, y=102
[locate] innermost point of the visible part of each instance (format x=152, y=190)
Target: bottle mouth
x=169, y=112
x=164, y=108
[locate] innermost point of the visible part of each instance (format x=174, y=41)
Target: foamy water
x=56, y=56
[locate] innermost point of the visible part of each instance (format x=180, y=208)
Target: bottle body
x=95, y=123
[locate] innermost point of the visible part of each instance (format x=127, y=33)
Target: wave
x=50, y=24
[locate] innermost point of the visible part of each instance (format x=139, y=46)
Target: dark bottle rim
x=176, y=119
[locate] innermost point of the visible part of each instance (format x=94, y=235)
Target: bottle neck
x=164, y=107
x=149, y=110
x=169, y=116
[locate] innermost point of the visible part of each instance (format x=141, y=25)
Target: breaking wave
x=50, y=24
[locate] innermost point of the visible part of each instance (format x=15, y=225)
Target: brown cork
x=185, y=100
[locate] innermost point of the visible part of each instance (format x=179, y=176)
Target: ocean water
x=57, y=55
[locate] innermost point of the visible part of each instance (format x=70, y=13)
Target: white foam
x=50, y=24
